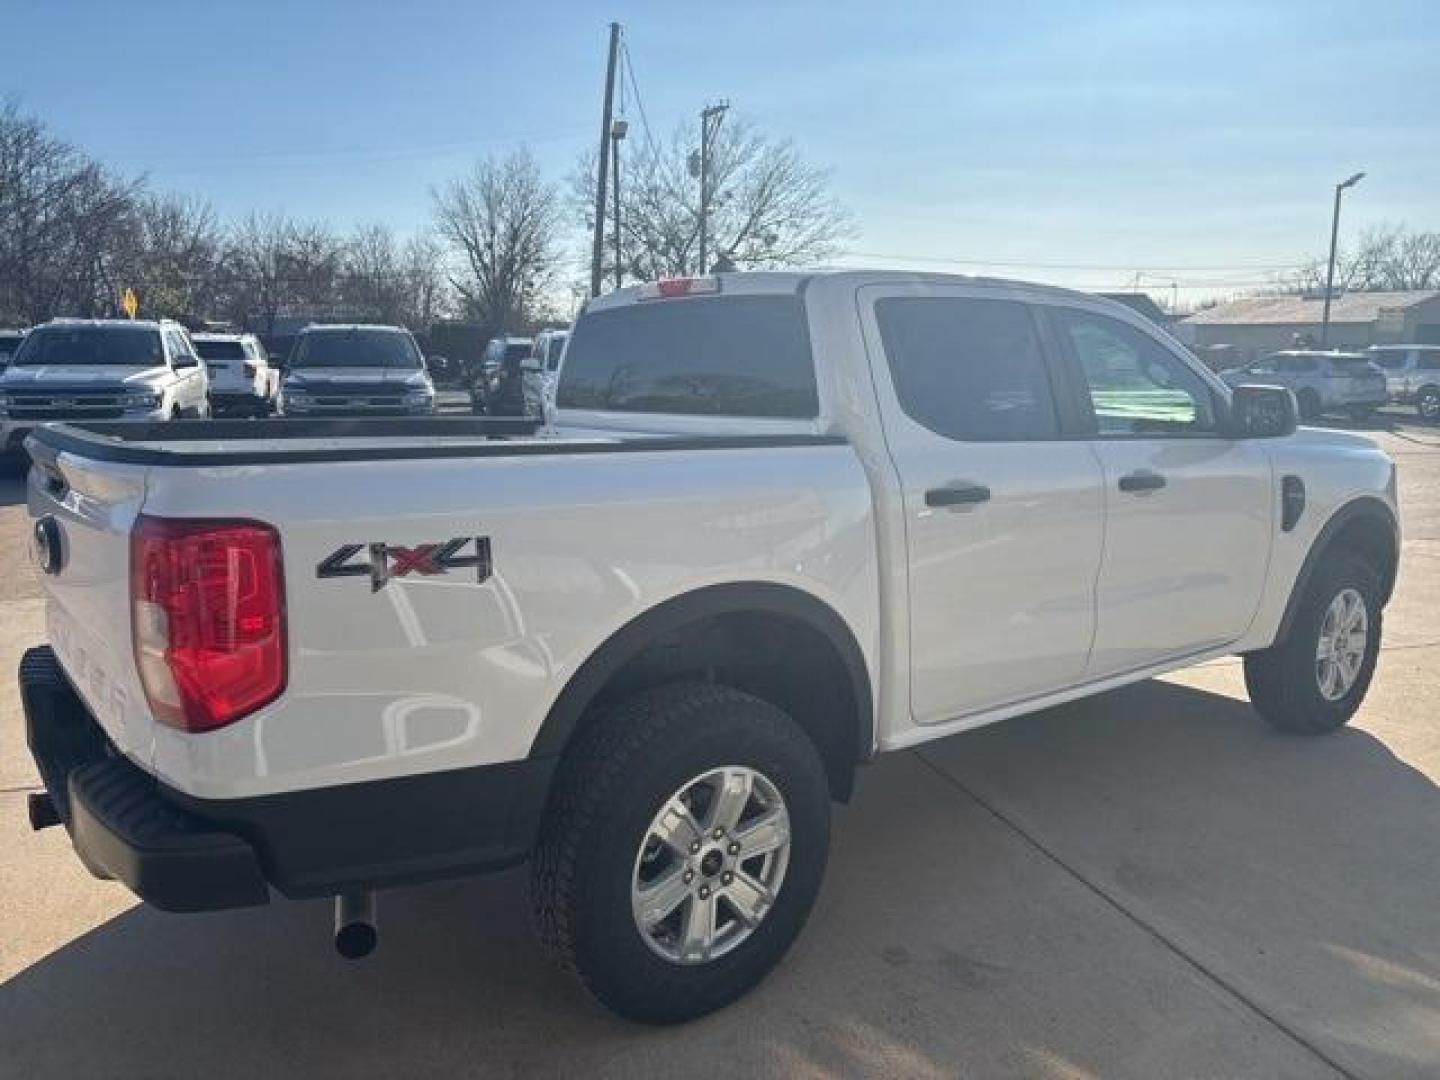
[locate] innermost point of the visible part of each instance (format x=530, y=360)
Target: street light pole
x=1330, y=270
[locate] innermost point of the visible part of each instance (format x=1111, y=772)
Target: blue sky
x=1080, y=142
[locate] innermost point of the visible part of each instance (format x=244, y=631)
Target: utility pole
x=710, y=118
x=1330, y=271
x=598, y=247
x=618, y=130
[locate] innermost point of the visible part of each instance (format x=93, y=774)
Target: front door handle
x=961, y=494
x=1143, y=480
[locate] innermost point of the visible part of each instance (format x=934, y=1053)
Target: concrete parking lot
x=1148, y=884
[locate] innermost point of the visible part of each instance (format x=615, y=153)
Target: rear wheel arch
x=777, y=642
x=1365, y=525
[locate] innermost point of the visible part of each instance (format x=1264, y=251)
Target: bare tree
x=768, y=207
x=502, y=221
x=61, y=214
x=173, y=256
x=1390, y=258
x=391, y=281
x=274, y=265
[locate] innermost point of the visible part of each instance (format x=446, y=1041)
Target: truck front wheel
x=682, y=850
x=1314, y=679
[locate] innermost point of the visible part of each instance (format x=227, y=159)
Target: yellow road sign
x=130, y=302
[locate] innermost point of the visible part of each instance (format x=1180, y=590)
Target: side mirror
x=1262, y=412
x=185, y=360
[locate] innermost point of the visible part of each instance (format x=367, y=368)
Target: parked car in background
x=100, y=369
x=1412, y=376
x=487, y=380
x=1323, y=382
x=242, y=380
x=9, y=342
x=548, y=351
x=356, y=370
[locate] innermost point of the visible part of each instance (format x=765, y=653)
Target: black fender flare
x=1367, y=506
x=678, y=612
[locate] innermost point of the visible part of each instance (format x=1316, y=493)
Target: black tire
x=611, y=783
x=1361, y=413
x=1282, y=680
x=1309, y=404
x=1427, y=404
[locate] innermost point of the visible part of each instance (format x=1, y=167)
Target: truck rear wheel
x=682, y=850
x=1313, y=680
x=1427, y=403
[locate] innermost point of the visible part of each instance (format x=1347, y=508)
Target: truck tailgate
x=93, y=505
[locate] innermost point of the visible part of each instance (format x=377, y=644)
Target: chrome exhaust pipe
x=355, y=932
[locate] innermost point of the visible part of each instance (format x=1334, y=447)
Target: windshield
x=356, y=348
x=121, y=346
x=221, y=350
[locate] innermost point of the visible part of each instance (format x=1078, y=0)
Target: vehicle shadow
x=12, y=484
x=946, y=942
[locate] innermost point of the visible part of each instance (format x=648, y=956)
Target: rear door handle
x=1143, y=480
x=957, y=495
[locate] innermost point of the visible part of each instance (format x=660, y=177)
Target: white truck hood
x=46, y=376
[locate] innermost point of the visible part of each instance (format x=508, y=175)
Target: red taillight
x=207, y=601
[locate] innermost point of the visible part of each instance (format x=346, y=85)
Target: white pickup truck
x=782, y=523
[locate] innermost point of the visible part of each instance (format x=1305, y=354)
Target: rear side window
x=1296, y=364
x=1389, y=359
x=968, y=369
x=716, y=356
x=1429, y=361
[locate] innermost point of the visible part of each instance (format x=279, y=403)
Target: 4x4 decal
x=382, y=562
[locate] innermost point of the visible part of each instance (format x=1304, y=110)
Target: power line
x=1027, y=264
x=629, y=67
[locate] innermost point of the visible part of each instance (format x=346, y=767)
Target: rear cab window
x=743, y=356
x=220, y=350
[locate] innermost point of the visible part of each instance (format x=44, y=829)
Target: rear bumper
x=224, y=402
x=180, y=853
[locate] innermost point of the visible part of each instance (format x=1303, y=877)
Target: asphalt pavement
x=1146, y=884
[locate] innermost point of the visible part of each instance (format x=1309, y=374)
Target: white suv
x=242, y=381
x=100, y=369
x=1412, y=376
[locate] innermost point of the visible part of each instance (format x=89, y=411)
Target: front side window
x=1136, y=385
x=970, y=370
x=1390, y=359
x=1429, y=361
